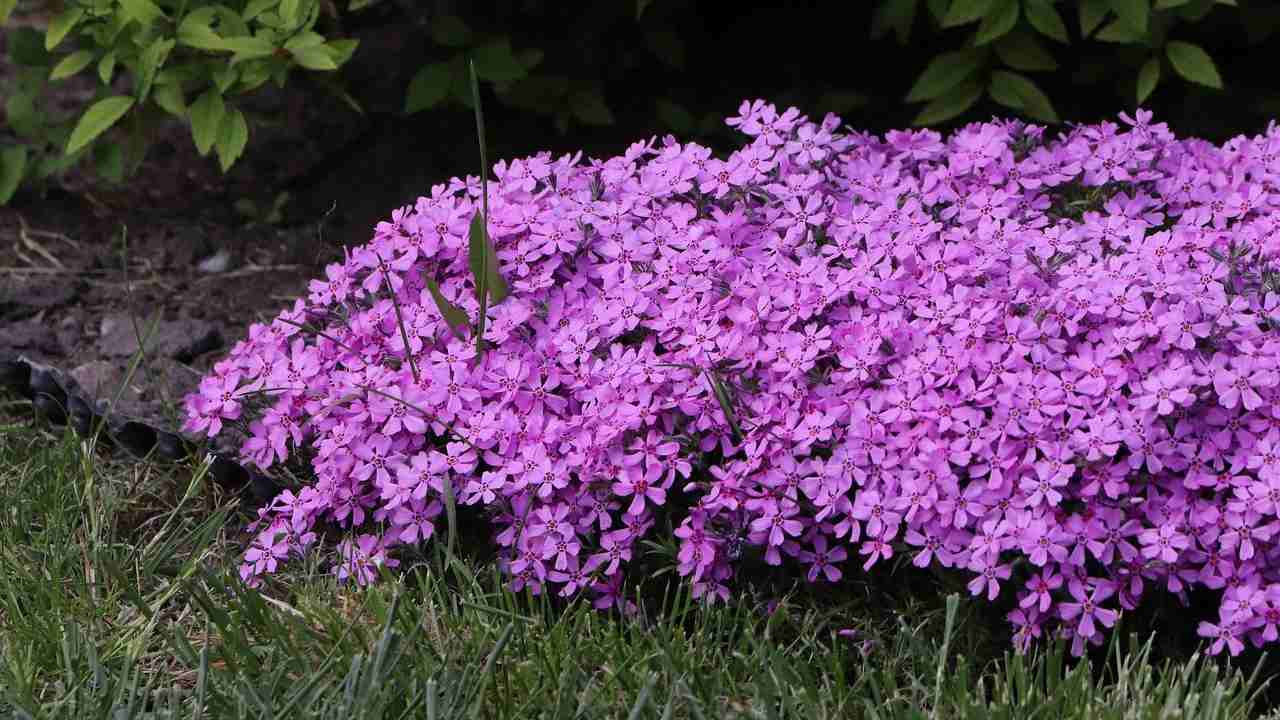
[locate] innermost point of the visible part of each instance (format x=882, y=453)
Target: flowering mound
x=1049, y=363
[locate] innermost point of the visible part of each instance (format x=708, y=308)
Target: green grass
x=119, y=599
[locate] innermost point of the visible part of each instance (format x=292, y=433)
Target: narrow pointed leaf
x=478, y=259
x=1148, y=78
x=97, y=119
x=998, y=22
x=453, y=315
x=726, y=405
x=13, y=165
x=428, y=88
x=1092, y=13
x=1135, y=13
x=1193, y=63
x=943, y=74
x=952, y=103
x=498, y=290
x=233, y=135
x=1044, y=17
x=206, y=119
x=1022, y=51
x=60, y=25
x=962, y=12
x=1008, y=86
x=71, y=64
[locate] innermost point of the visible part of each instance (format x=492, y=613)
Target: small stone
x=216, y=263
x=36, y=293
x=33, y=335
x=180, y=340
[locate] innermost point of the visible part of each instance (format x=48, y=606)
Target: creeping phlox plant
x=1050, y=363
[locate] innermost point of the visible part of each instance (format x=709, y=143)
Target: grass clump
x=119, y=598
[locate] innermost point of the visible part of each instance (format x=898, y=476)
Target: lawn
x=119, y=599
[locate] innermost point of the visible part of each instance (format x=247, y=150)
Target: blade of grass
x=395, y=305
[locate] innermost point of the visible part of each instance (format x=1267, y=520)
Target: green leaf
x=149, y=62
x=6, y=7
x=453, y=315
x=53, y=163
x=144, y=12
x=1193, y=63
x=963, y=12
x=224, y=76
x=206, y=119
x=71, y=64
x=1044, y=17
x=97, y=119
x=726, y=404
x=483, y=260
x=23, y=117
x=13, y=164
x=1022, y=51
x=290, y=12
x=895, y=15
x=1194, y=11
x=1170, y=4
x=1020, y=93
x=498, y=288
x=1092, y=13
x=248, y=47
x=496, y=63
x=589, y=107
x=170, y=98
x=256, y=8
x=304, y=40
x=60, y=25
x=450, y=31
x=314, y=58
x=1120, y=31
x=1135, y=13
x=233, y=135
x=997, y=22
x=107, y=67
x=953, y=102
x=675, y=117
x=477, y=258
x=194, y=30
x=944, y=73
x=1148, y=78
x=108, y=160
x=429, y=86
x=342, y=50
x=230, y=24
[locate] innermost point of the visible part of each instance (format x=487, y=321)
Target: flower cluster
x=1050, y=363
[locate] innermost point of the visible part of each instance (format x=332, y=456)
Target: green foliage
x=171, y=51
x=119, y=599
x=954, y=80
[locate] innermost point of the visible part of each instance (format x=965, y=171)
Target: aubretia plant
x=1047, y=362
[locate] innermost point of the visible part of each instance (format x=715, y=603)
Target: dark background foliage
x=596, y=76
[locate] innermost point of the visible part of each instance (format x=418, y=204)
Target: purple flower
x=951, y=342
x=1088, y=609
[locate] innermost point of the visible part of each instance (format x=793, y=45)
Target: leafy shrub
x=1049, y=362
x=1010, y=39
x=186, y=59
